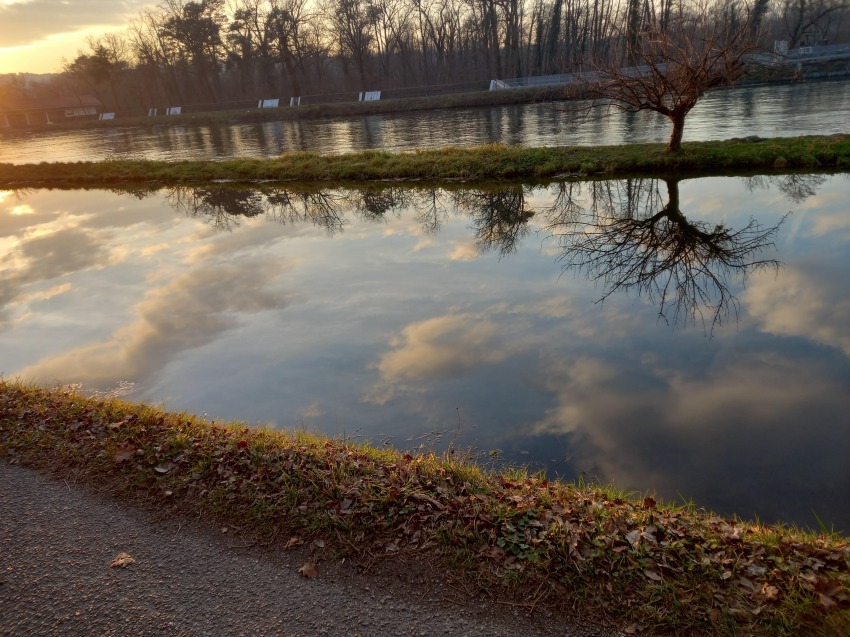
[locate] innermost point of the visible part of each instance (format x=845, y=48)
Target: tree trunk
x=678, y=130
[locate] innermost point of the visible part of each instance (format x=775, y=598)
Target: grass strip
x=481, y=163
x=658, y=567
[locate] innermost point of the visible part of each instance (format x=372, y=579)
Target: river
x=814, y=108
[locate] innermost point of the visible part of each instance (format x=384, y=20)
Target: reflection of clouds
x=436, y=349
x=739, y=433
x=803, y=302
x=313, y=410
x=443, y=347
x=44, y=257
x=464, y=251
x=184, y=314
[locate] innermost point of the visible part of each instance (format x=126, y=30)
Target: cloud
x=443, y=347
x=46, y=257
x=437, y=349
x=186, y=313
x=734, y=435
x=465, y=251
x=803, y=302
x=23, y=23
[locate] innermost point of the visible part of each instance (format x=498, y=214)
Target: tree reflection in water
x=500, y=217
x=623, y=235
x=629, y=236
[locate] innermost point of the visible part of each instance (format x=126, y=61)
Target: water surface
x=413, y=316
x=816, y=108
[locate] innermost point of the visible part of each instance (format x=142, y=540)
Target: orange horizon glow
x=48, y=55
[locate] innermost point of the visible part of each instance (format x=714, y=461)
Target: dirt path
x=57, y=542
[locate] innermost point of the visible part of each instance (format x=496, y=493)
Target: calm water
x=815, y=108
x=400, y=315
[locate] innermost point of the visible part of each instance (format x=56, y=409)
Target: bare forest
x=220, y=52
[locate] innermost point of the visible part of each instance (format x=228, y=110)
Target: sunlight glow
x=21, y=210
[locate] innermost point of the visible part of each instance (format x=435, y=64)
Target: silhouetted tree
x=677, y=65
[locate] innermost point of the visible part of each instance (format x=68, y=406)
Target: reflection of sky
x=391, y=331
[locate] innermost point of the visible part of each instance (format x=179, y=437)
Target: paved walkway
x=57, y=542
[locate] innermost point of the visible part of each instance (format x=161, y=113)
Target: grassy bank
x=482, y=163
x=538, y=543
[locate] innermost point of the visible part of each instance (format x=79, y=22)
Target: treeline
x=212, y=52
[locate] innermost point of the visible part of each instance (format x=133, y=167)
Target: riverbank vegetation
x=513, y=535
x=211, y=52
x=483, y=163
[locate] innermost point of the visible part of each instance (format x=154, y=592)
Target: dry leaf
x=827, y=601
x=309, y=570
x=655, y=577
x=124, y=452
x=293, y=542
x=771, y=593
x=165, y=467
x=122, y=560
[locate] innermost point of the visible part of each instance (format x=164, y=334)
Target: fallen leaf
x=649, y=503
x=827, y=601
x=319, y=543
x=165, y=467
x=756, y=571
x=242, y=444
x=771, y=593
x=309, y=570
x=655, y=577
x=293, y=542
x=122, y=560
x=124, y=452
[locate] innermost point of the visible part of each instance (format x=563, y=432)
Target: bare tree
x=676, y=66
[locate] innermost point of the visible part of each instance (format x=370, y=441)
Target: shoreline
x=491, y=162
x=669, y=568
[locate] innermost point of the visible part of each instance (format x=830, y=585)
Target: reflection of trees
x=222, y=207
x=499, y=217
x=376, y=203
x=624, y=235
x=321, y=208
x=797, y=187
x=631, y=237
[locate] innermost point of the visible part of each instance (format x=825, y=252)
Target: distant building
x=36, y=112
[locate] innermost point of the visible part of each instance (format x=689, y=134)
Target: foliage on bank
x=658, y=568
x=481, y=163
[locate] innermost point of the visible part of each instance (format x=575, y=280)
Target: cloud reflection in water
x=397, y=311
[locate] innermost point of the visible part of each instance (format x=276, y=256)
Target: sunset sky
x=36, y=34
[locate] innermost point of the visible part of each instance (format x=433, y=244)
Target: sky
x=35, y=35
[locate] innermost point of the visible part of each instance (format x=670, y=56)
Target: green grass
x=482, y=163
x=515, y=535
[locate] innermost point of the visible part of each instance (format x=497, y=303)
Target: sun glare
x=21, y=210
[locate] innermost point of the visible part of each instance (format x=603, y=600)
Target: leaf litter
x=563, y=545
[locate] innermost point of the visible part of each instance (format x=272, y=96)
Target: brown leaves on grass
x=125, y=451
x=682, y=568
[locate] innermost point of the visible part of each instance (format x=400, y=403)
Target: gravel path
x=57, y=542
